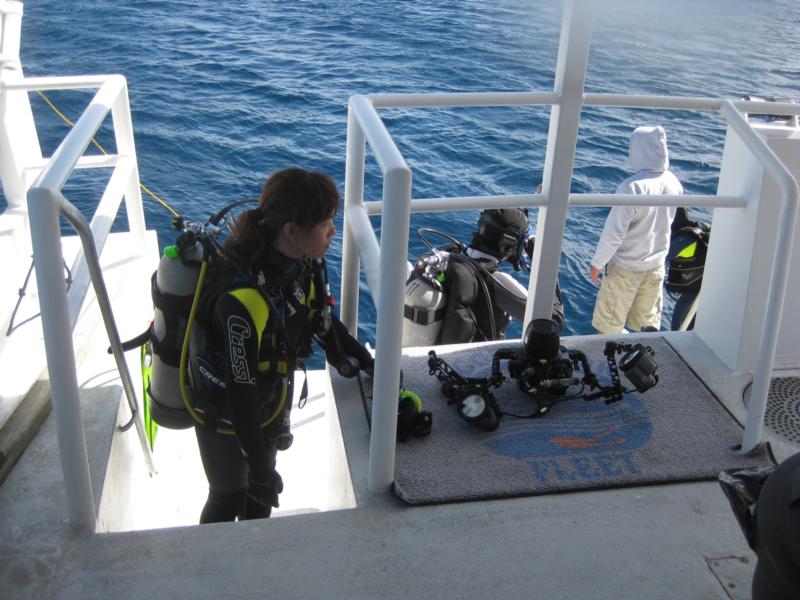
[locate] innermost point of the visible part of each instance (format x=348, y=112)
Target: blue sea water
x=224, y=93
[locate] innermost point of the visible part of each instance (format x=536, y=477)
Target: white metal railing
x=388, y=261
x=59, y=308
x=363, y=124
x=754, y=426
x=9, y=32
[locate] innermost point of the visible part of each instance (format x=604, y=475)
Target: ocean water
x=222, y=94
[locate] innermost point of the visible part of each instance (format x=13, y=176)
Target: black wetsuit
x=472, y=308
x=242, y=368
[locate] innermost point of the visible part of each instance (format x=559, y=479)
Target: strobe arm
x=638, y=364
x=455, y=385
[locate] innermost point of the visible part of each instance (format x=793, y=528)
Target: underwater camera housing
x=544, y=370
x=542, y=363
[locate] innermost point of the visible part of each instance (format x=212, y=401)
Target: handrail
x=754, y=424
x=375, y=207
x=10, y=32
x=63, y=160
x=386, y=152
x=488, y=99
x=82, y=227
x=467, y=99
x=688, y=103
x=61, y=82
x=46, y=204
x=393, y=255
x=360, y=227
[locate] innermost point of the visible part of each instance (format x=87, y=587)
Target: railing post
x=48, y=261
x=123, y=129
x=19, y=142
x=389, y=331
x=573, y=54
x=353, y=196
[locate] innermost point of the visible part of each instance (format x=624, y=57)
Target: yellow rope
x=159, y=200
x=143, y=187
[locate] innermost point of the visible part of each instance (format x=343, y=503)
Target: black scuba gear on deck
x=452, y=298
x=472, y=303
x=470, y=313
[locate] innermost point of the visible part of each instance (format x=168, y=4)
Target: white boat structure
x=87, y=512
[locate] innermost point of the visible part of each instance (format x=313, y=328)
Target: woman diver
x=264, y=301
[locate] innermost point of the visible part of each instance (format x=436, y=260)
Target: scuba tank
x=173, y=288
x=425, y=300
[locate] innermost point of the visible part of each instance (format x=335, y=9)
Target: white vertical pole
x=353, y=196
x=123, y=129
x=12, y=28
x=573, y=53
x=48, y=261
x=19, y=142
x=389, y=331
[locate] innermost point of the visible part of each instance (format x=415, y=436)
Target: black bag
x=685, y=270
x=742, y=487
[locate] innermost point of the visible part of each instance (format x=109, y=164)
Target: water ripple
x=224, y=93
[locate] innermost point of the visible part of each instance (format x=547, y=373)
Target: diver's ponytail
x=292, y=195
x=248, y=242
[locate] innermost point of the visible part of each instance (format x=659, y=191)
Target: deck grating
x=783, y=408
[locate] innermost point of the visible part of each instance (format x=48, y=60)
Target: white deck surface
x=666, y=541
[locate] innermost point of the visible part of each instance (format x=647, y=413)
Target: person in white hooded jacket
x=635, y=240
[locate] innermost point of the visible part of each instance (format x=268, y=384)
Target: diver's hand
x=528, y=245
x=265, y=491
x=595, y=273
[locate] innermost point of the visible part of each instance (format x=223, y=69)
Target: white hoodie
x=637, y=237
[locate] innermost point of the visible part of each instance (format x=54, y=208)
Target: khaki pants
x=628, y=297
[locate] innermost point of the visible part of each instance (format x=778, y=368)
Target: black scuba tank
x=173, y=288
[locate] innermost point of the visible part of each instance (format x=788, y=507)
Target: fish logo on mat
x=577, y=440
x=575, y=427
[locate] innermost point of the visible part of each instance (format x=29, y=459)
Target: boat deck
x=331, y=537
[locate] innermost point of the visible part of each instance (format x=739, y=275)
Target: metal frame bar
x=562, y=138
x=364, y=125
x=10, y=31
x=489, y=99
x=375, y=207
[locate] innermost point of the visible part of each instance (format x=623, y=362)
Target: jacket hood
x=648, y=150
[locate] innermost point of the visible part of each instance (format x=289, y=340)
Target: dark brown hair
x=291, y=195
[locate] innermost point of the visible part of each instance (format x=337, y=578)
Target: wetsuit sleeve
x=509, y=294
x=338, y=342
x=240, y=351
x=459, y=324
x=511, y=297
